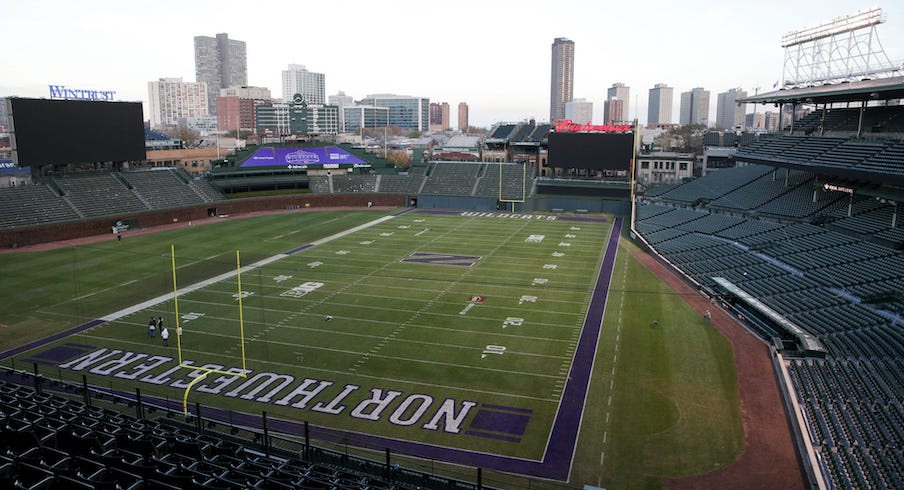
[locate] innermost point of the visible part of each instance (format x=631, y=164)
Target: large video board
x=76, y=131
x=600, y=151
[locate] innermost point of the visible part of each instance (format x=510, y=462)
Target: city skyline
x=129, y=46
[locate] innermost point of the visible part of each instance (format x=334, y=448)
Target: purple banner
x=300, y=158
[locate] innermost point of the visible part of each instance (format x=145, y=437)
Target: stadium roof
x=878, y=89
x=463, y=142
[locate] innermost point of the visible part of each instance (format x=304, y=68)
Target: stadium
x=527, y=319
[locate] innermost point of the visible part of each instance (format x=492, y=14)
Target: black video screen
x=76, y=131
x=600, y=151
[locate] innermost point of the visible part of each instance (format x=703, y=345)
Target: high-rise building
x=439, y=116
x=579, y=111
x=341, y=101
x=562, y=83
x=4, y=115
x=407, y=112
x=755, y=121
x=621, y=92
x=220, y=62
x=660, y=104
x=613, y=110
x=172, y=101
x=463, y=124
x=770, y=121
x=245, y=92
x=695, y=107
x=298, y=80
x=729, y=114
x=235, y=107
x=359, y=116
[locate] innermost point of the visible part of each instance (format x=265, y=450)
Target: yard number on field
x=492, y=349
x=513, y=321
x=191, y=316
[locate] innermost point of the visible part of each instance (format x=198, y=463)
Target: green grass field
x=410, y=346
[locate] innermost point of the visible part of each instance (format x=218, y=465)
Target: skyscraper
x=580, y=111
x=298, y=80
x=463, y=117
x=613, y=111
x=728, y=113
x=695, y=107
x=235, y=107
x=439, y=116
x=220, y=62
x=342, y=101
x=407, y=112
x=562, y=83
x=660, y=108
x=171, y=101
x=621, y=92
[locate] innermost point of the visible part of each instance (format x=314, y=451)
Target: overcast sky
x=493, y=55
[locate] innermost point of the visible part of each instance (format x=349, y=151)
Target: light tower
x=846, y=48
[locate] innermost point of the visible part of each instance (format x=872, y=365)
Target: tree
x=413, y=134
x=687, y=139
x=399, y=158
x=182, y=132
x=243, y=134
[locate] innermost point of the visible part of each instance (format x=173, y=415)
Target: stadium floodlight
x=845, y=49
x=839, y=25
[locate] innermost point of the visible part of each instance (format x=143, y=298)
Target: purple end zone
x=489, y=435
x=505, y=408
x=53, y=338
x=438, y=211
x=506, y=423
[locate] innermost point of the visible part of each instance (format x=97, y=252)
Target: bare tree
x=183, y=132
x=399, y=158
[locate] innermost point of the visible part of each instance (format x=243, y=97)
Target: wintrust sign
x=61, y=92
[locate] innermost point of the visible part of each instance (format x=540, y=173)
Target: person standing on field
x=164, y=334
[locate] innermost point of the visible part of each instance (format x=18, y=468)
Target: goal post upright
x=176, y=303
x=238, y=275
x=205, y=372
x=523, y=186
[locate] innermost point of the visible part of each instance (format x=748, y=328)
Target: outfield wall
x=594, y=205
x=33, y=235
x=456, y=202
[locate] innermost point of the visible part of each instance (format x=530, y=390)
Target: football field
x=468, y=337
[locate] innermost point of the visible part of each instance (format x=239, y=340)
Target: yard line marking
x=88, y=295
x=278, y=237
